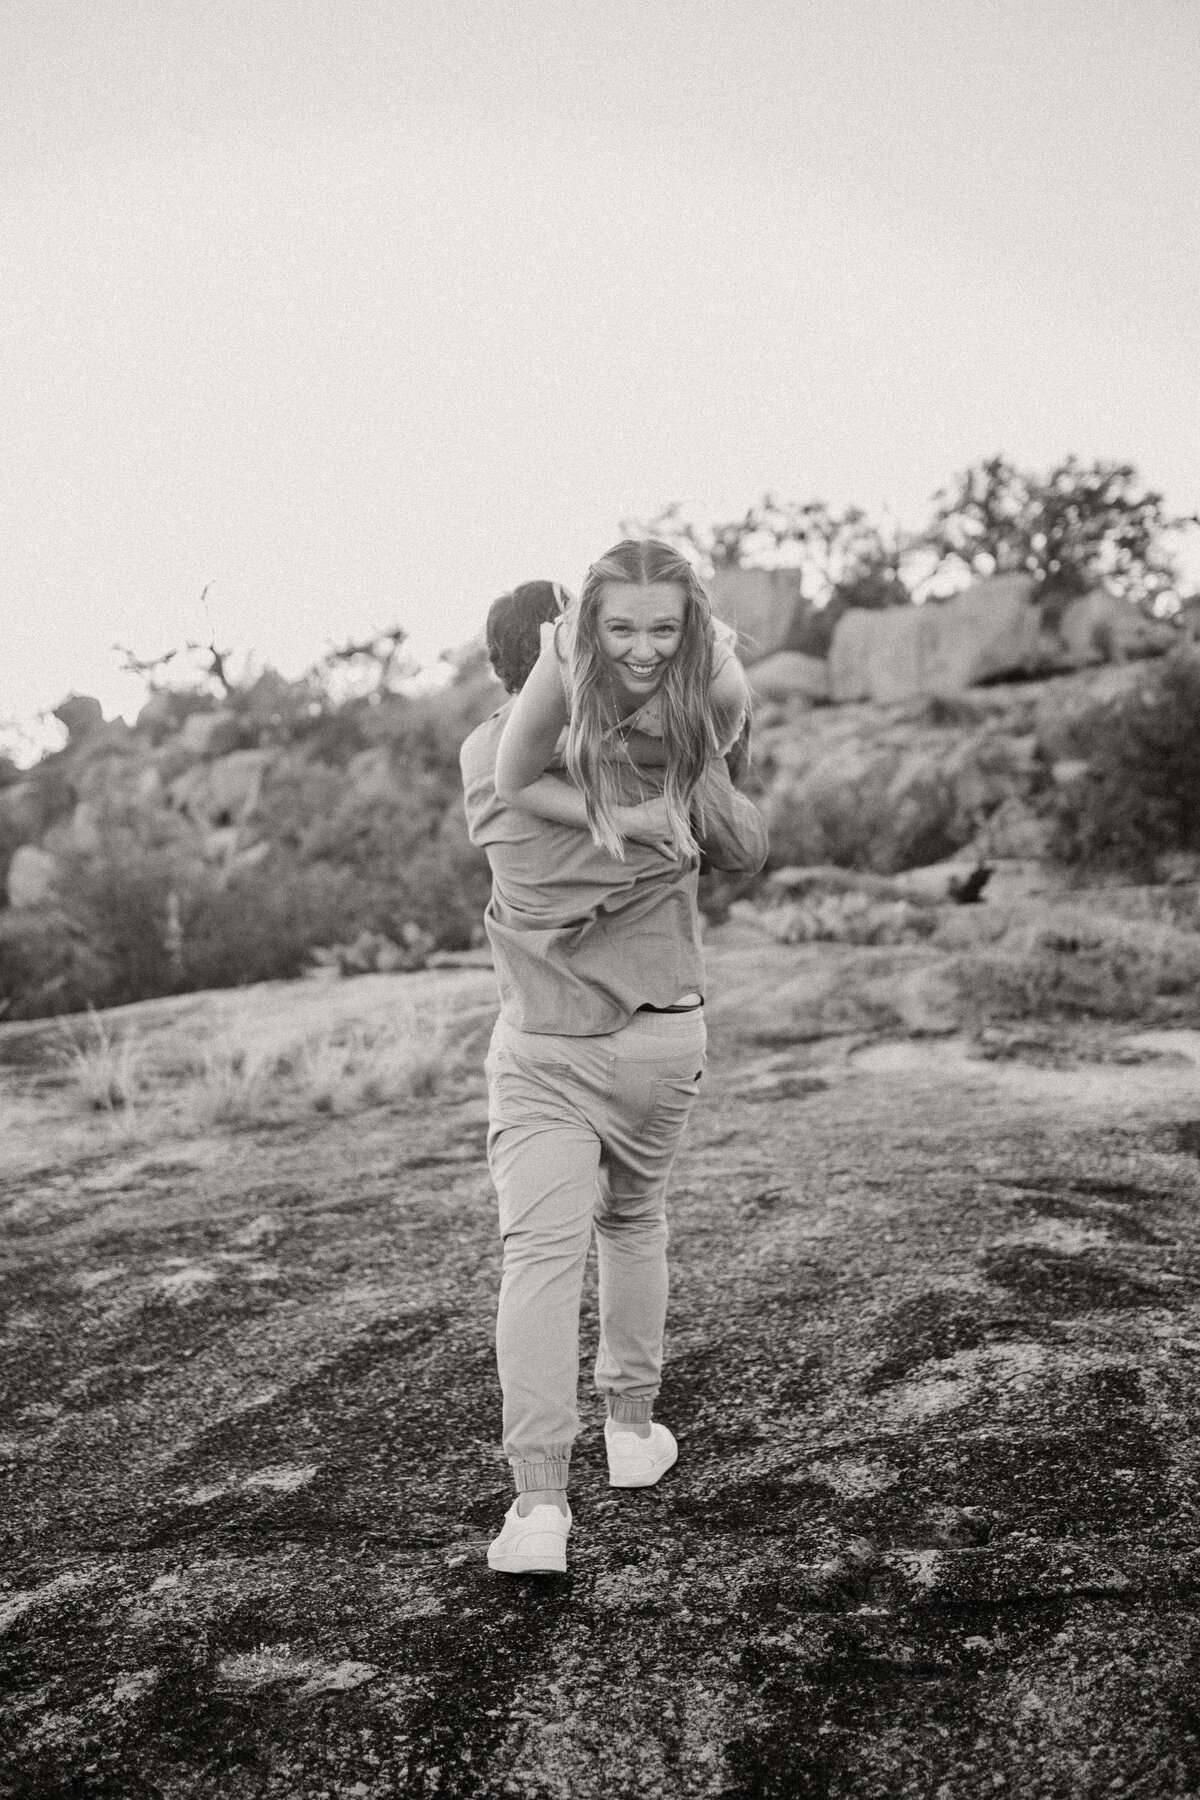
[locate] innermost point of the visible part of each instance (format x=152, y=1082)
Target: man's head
x=514, y=626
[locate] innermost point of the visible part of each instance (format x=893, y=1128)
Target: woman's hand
x=647, y=824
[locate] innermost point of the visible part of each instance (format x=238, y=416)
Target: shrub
x=262, y=925
x=121, y=905
x=47, y=965
x=847, y=918
x=864, y=825
x=1140, y=798
x=1073, y=962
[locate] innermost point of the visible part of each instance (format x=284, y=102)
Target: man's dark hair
x=514, y=625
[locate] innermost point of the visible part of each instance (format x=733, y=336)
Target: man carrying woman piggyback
x=593, y=793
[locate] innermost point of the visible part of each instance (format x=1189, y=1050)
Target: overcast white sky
x=362, y=310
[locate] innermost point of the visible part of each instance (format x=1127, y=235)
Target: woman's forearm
x=554, y=799
x=531, y=732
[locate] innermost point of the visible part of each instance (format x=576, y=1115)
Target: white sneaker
x=635, y=1461
x=533, y=1545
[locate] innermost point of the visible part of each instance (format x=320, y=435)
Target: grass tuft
x=231, y=1084
x=106, y=1069
x=411, y=1059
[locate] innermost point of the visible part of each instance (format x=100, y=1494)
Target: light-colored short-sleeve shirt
x=580, y=940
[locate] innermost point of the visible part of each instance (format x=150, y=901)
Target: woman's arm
x=730, y=694
x=552, y=798
x=731, y=831
x=531, y=730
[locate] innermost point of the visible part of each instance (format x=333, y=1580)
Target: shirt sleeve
x=724, y=643
x=477, y=762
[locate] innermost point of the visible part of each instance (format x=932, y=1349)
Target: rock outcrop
x=211, y=733
x=82, y=715
x=991, y=630
x=764, y=606
x=893, y=787
x=1099, y=628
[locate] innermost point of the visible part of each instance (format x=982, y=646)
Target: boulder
x=171, y=759
x=1015, y=832
x=23, y=809
x=159, y=717
x=82, y=715
x=81, y=833
x=220, y=844
x=218, y=794
x=1099, y=628
x=211, y=733
x=942, y=647
x=100, y=772
x=990, y=630
x=878, y=655
x=764, y=606
x=787, y=674
x=32, y=875
x=849, y=657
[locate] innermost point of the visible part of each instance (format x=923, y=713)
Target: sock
x=639, y=1428
x=544, y=1497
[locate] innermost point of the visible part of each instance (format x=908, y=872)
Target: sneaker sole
x=541, y=1555
x=638, y=1481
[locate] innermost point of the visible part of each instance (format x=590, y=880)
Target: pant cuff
x=530, y=1477
x=626, y=1409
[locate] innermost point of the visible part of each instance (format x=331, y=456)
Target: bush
x=1077, y=963
x=121, y=907
x=1140, y=798
x=47, y=965
x=865, y=826
x=845, y=918
x=263, y=924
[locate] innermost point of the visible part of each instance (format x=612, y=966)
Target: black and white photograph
x=599, y=900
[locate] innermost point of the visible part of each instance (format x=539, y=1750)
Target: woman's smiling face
x=640, y=630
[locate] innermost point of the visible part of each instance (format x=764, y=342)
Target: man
x=591, y=1075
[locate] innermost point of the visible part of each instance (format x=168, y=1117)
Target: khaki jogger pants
x=582, y=1134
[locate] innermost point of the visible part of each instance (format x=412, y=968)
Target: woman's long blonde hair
x=690, y=731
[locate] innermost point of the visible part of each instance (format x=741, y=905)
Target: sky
x=357, y=312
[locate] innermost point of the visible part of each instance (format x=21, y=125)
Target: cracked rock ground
x=934, y=1370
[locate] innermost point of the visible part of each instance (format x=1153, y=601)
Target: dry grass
x=106, y=1069
x=341, y=1069
x=411, y=1059
x=230, y=1084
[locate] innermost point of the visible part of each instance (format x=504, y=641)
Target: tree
x=845, y=557
x=1078, y=527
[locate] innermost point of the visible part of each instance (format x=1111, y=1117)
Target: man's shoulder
x=477, y=754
